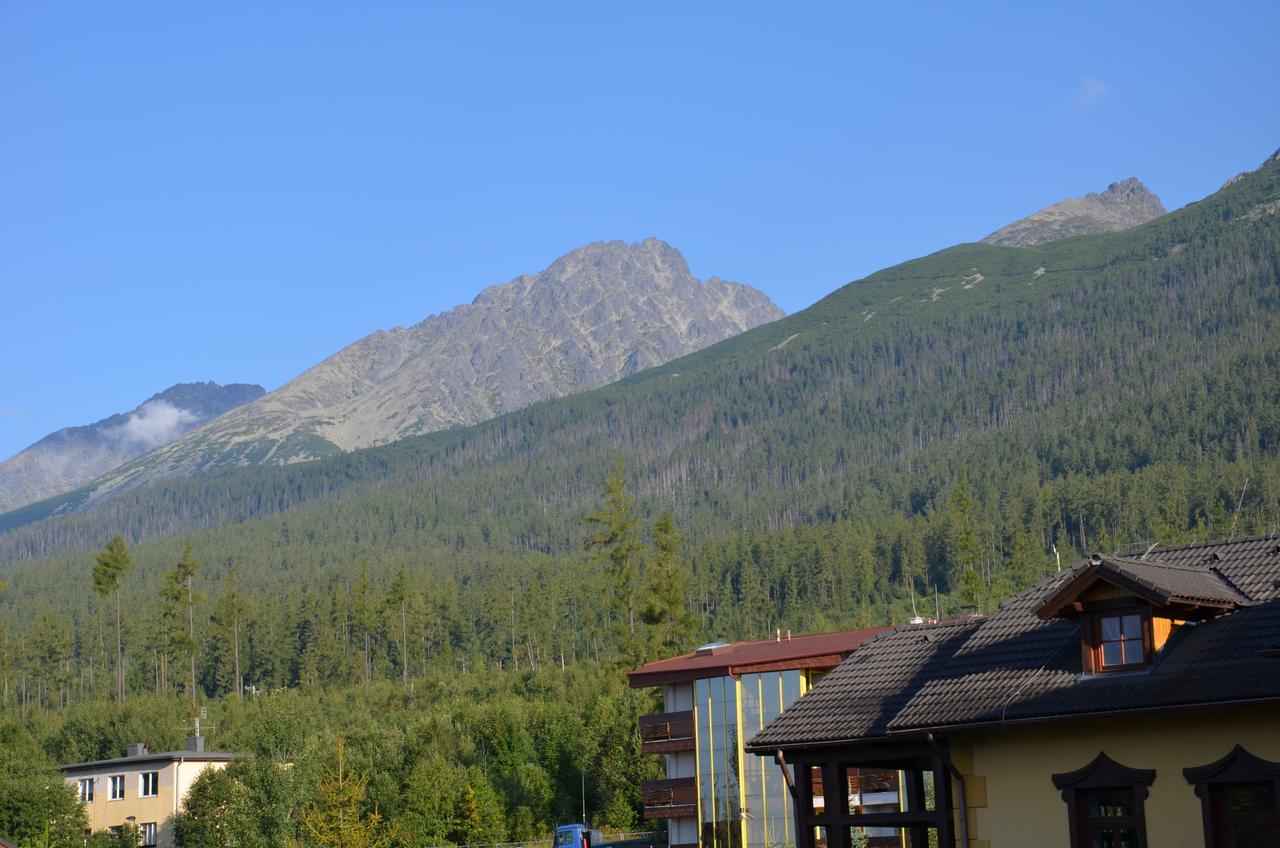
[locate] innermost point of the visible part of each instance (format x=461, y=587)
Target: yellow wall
x=1013, y=800
x=175, y=778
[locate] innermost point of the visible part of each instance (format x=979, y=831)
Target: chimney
x=195, y=743
x=137, y=749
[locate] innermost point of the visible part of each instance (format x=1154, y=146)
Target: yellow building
x=1128, y=701
x=141, y=788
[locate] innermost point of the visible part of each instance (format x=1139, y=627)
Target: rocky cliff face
x=1125, y=204
x=72, y=456
x=595, y=316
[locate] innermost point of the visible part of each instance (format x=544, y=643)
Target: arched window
x=1239, y=797
x=1105, y=803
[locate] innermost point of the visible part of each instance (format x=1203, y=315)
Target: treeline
x=475, y=758
x=292, y=602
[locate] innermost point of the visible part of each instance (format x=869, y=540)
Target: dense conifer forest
x=465, y=604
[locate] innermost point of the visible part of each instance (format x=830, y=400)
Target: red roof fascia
x=775, y=654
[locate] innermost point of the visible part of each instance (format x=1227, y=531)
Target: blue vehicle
x=577, y=836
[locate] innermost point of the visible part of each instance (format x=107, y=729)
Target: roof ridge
x=1210, y=543
x=1155, y=563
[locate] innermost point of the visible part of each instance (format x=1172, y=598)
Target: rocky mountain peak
x=1125, y=204
x=595, y=315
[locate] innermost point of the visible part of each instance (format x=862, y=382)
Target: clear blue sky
x=193, y=191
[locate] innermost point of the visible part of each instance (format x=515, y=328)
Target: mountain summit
x=596, y=315
x=72, y=456
x=1125, y=204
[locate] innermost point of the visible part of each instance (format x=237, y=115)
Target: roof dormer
x=1129, y=608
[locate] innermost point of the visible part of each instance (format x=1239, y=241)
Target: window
x=149, y=785
x=1121, y=641
x=1105, y=804
x=115, y=787
x=86, y=790
x=147, y=834
x=1238, y=800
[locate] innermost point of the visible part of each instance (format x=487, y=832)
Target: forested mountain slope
x=934, y=436
x=1087, y=355
x=924, y=362
x=595, y=315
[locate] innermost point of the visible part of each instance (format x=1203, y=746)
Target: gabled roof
x=824, y=650
x=1162, y=584
x=1014, y=666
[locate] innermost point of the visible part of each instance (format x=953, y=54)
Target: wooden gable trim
x=1070, y=594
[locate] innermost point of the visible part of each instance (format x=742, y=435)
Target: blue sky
x=233, y=192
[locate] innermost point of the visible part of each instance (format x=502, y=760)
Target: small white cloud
x=1090, y=92
x=155, y=423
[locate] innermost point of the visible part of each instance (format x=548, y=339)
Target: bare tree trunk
x=235, y=627
x=191, y=636
x=119, y=653
x=404, y=645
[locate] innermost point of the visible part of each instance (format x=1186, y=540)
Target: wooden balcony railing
x=664, y=733
x=672, y=798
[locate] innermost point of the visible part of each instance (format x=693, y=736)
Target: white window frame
x=147, y=834
x=86, y=790
x=142, y=784
x=115, y=787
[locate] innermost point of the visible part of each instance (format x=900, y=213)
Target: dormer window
x=1121, y=641
x=1129, y=609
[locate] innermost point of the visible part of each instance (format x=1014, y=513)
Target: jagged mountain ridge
x=1123, y=205
x=72, y=456
x=596, y=315
x=976, y=357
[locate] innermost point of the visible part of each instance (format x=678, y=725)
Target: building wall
x=1013, y=801
x=175, y=780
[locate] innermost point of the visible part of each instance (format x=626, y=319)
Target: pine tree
x=112, y=564
x=338, y=819
x=668, y=577
x=614, y=544
x=397, y=603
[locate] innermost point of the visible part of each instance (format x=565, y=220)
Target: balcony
x=673, y=798
x=665, y=733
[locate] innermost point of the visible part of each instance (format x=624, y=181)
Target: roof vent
x=137, y=749
x=1096, y=559
x=711, y=648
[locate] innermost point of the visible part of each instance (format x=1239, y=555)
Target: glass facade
x=743, y=799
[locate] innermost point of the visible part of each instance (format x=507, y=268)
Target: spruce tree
x=113, y=563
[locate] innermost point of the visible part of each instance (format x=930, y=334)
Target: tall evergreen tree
x=614, y=543
x=666, y=608
x=112, y=564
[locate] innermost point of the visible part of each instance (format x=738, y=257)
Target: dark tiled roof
x=1014, y=666
x=725, y=659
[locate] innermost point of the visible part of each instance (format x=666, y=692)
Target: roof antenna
x=915, y=616
x=1056, y=555
x=937, y=605
x=1150, y=549
x=1236, y=514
